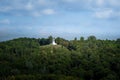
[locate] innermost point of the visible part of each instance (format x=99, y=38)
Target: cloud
x=48, y=7
x=106, y=14
x=89, y=4
x=36, y=14
x=106, y=3
x=48, y=11
x=114, y=2
x=44, y=2
x=29, y=6
x=70, y=1
x=43, y=12
x=100, y=2
x=5, y=8
x=4, y=21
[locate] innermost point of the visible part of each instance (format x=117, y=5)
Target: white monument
x=53, y=42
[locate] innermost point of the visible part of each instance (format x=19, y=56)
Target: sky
x=59, y=18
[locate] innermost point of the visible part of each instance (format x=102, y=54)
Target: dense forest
x=78, y=59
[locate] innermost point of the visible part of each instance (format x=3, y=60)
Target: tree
x=81, y=38
x=50, y=38
x=91, y=38
x=75, y=38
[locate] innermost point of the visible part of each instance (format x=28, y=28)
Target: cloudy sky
x=63, y=18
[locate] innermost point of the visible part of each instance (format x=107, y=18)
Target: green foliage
x=81, y=38
x=45, y=41
x=62, y=42
x=37, y=59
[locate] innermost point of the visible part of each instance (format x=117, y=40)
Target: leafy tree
x=81, y=38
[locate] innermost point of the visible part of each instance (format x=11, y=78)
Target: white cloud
x=43, y=12
x=39, y=7
x=46, y=3
x=106, y=3
x=29, y=6
x=36, y=14
x=100, y=2
x=71, y=1
x=48, y=11
x=86, y=4
x=104, y=13
x=114, y=2
x=5, y=21
x=5, y=8
x=42, y=2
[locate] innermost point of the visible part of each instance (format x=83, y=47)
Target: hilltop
x=53, y=47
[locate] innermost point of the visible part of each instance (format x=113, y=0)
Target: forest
x=78, y=59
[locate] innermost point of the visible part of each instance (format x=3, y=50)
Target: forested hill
x=78, y=59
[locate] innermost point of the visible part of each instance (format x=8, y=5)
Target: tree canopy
x=78, y=59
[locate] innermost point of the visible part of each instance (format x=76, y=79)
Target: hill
x=36, y=59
